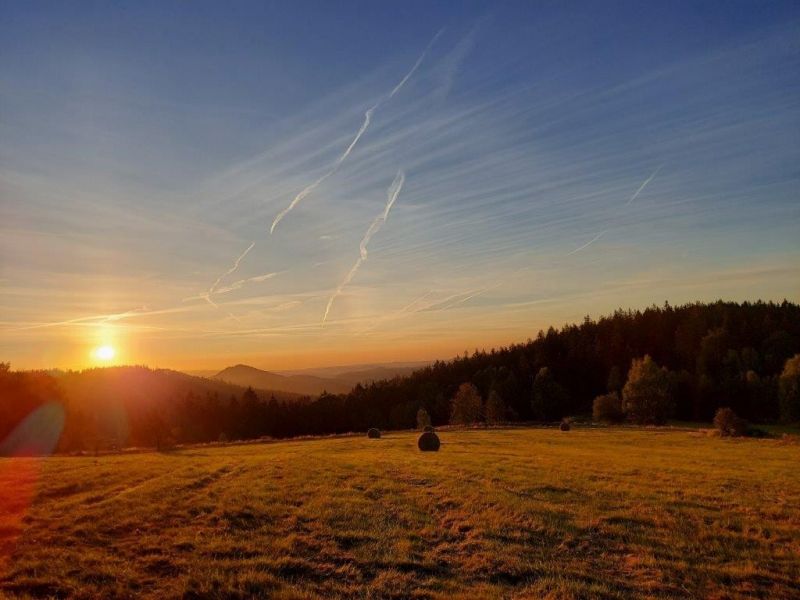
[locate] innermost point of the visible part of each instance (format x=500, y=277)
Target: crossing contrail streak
x=231, y=270
x=243, y=282
x=367, y=120
x=310, y=188
x=340, y=287
x=392, y=193
x=400, y=85
x=644, y=185
x=587, y=244
x=207, y=295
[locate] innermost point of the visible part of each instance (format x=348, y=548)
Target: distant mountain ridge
x=247, y=376
x=340, y=381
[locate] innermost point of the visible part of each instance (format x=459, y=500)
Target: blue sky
x=547, y=160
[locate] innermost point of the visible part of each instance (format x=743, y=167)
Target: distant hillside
x=143, y=386
x=313, y=382
x=201, y=372
x=132, y=405
x=244, y=375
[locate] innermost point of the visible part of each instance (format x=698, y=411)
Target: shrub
x=429, y=428
x=373, y=433
x=428, y=442
x=789, y=390
x=728, y=423
x=565, y=426
x=645, y=397
x=608, y=408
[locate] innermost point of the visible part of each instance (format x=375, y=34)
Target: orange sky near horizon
x=438, y=335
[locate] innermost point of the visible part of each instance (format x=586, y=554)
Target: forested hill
x=708, y=356
x=127, y=405
x=720, y=354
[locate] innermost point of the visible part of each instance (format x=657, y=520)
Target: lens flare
x=35, y=437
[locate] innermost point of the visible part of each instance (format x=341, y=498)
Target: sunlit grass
x=524, y=512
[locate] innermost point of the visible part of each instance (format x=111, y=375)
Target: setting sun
x=104, y=353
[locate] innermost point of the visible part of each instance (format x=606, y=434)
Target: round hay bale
x=564, y=425
x=428, y=442
x=373, y=433
x=428, y=428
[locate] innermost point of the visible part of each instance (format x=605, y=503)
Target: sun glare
x=104, y=353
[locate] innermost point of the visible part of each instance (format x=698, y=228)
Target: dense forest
x=708, y=355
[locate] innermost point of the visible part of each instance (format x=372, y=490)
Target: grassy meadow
x=505, y=513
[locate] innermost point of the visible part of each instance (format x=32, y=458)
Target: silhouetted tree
x=495, y=408
x=549, y=398
x=157, y=428
x=466, y=405
x=615, y=380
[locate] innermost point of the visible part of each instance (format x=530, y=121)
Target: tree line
x=649, y=365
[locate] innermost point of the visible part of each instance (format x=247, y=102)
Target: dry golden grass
x=514, y=513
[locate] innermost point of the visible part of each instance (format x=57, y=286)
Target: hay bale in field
x=565, y=426
x=429, y=428
x=373, y=433
x=428, y=442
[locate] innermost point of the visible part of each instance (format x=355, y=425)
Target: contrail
x=229, y=271
x=587, y=244
x=367, y=120
x=414, y=301
x=207, y=295
x=399, y=86
x=392, y=193
x=459, y=298
x=631, y=199
x=644, y=185
x=310, y=188
x=341, y=286
x=242, y=282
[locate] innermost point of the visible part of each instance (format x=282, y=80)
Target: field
x=507, y=513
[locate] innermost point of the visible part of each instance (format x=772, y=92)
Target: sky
x=303, y=184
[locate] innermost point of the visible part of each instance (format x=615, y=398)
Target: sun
x=104, y=353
